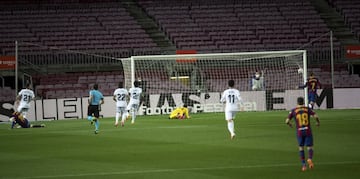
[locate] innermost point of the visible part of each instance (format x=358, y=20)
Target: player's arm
x=288, y=120
x=17, y=99
x=252, y=83
x=32, y=97
x=186, y=111
x=90, y=98
x=114, y=97
x=173, y=113
x=303, y=86
x=142, y=97
x=223, y=98
x=102, y=99
x=239, y=98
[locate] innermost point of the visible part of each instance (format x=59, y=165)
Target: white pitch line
x=102, y=174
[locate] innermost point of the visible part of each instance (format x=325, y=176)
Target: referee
x=95, y=100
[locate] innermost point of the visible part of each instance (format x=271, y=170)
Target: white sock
x=133, y=116
x=231, y=127
x=123, y=117
x=117, y=118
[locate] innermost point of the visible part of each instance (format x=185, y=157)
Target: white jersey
x=135, y=94
x=232, y=97
x=120, y=97
x=26, y=96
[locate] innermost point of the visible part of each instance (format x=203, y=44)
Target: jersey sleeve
x=291, y=114
x=304, y=86
x=238, y=96
x=33, y=94
x=318, y=83
x=175, y=111
x=222, y=99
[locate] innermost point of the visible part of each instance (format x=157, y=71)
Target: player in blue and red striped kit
x=301, y=115
x=312, y=84
x=18, y=119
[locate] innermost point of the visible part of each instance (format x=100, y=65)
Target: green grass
x=200, y=147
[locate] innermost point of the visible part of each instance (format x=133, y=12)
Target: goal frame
x=162, y=57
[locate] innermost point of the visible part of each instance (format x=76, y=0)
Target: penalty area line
x=181, y=170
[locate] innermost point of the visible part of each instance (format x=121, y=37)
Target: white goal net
x=197, y=80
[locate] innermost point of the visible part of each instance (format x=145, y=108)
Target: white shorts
x=230, y=115
x=23, y=108
x=132, y=107
x=120, y=109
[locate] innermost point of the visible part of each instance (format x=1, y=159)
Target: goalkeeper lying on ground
x=180, y=113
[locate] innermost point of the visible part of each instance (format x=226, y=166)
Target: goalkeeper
x=180, y=113
x=257, y=81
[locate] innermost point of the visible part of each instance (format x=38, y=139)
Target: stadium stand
x=75, y=84
x=239, y=25
x=350, y=10
x=107, y=28
x=94, y=27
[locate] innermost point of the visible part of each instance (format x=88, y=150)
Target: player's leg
x=302, y=158
x=309, y=144
x=311, y=104
x=133, y=116
x=229, y=116
x=128, y=110
x=301, y=141
x=96, y=121
x=24, y=112
x=19, y=108
x=37, y=125
x=309, y=160
x=312, y=100
x=123, y=116
x=26, y=124
x=90, y=113
x=117, y=116
x=13, y=122
x=133, y=113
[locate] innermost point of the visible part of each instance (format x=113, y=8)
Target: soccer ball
x=300, y=71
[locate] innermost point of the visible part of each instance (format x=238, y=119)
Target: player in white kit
x=23, y=99
x=120, y=97
x=231, y=97
x=135, y=97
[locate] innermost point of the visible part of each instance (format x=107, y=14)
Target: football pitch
x=200, y=147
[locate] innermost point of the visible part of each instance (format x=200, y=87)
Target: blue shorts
x=305, y=140
x=312, y=97
x=24, y=123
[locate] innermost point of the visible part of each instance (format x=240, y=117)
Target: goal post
x=192, y=79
